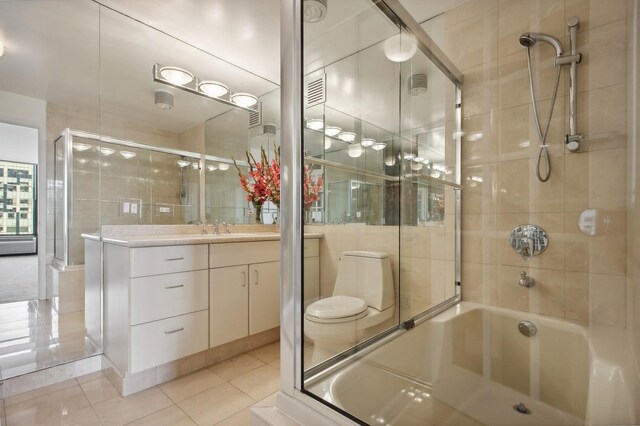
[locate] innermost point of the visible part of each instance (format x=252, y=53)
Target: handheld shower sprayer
x=572, y=140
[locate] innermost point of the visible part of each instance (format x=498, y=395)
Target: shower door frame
x=293, y=399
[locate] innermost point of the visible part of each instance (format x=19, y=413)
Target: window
x=23, y=215
x=11, y=215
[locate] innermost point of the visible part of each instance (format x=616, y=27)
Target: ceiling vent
x=417, y=84
x=163, y=100
x=255, y=117
x=316, y=91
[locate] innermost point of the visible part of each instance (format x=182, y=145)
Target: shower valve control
x=528, y=240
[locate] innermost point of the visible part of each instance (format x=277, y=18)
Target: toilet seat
x=336, y=309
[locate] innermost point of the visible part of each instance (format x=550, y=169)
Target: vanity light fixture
x=378, y=146
x=211, y=167
x=223, y=166
x=315, y=123
x=215, y=89
x=367, y=142
x=127, y=154
x=332, y=131
x=183, y=163
x=195, y=165
x=175, y=75
x=355, y=151
x=78, y=146
x=347, y=136
x=106, y=151
x=210, y=89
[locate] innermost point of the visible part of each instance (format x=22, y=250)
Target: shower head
x=529, y=39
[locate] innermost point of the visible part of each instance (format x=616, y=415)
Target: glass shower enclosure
x=101, y=180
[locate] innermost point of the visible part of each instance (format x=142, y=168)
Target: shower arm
x=572, y=140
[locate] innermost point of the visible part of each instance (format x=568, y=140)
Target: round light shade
x=416, y=166
x=367, y=142
x=390, y=160
x=106, y=151
x=183, y=163
x=355, y=151
x=401, y=47
x=347, y=136
x=315, y=123
x=332, y=131
x=80, y=146
x=194, y=165
x=211, y=167
x=379, y=146
x=215, y=89
x=314, y=10
x=223, y=166
x=175, y=75
x=244, y=99
x=127, y=154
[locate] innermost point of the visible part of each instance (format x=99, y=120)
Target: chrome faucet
x=216, y=228
x=527, y=248
x=225, y=225
x=204, y=225
x=526, y=281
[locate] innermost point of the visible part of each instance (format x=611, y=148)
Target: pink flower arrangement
x=311, y=190
x=263, y=182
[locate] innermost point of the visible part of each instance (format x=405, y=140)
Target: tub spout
x=526, y=281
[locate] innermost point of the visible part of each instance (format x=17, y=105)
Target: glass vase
x=258, y=211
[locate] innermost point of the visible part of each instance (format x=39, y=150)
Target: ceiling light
x=314, y=10
x=175, y=75
x=195, y=165
x=327, y=143
x=315, y=123
x=390, y=160
x=416, y=166
x=367, y=142
x=80, y=146
x=435, y=174
x=183, y=163
x=106, y=151
x=127, y=154
x=244, y=99
x=418, y=159
x=347, y=136
x=223, y=166
x=401, y=47
x=163, y=100
x=379, y=146
x=332, y=131
x=211, y=167
x=214, y=89
x=425, y=162
x=408, y=156
x=355, y=151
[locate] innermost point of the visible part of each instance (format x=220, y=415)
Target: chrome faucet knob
x=225, y=225
x=216, y=228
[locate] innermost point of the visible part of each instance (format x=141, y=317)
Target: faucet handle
x=527, y=248
x=225, y=225
x=216, y=227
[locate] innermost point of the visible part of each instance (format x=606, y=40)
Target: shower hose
x=543, y=154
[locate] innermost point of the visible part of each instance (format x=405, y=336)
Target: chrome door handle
x=174, y=331
x=173, y=286
x=244, y=278
x=256, y=272
x=174, y=258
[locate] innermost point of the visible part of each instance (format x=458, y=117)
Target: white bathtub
x=470, y=365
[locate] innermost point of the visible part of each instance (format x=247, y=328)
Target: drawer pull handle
x=174, y=258
x=174, y=331
x=256, y=272
x=173, y=286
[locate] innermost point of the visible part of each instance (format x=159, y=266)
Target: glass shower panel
x=428, y=157
x=59, y=183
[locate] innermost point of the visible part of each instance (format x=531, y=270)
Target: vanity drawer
x=158, y=342
x=162, y=296
x=311, y=247
x=230, y=254
x=168, y=259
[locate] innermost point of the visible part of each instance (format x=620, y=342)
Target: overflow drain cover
x=521, y=408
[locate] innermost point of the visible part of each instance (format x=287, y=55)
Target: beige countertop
x=184, y=239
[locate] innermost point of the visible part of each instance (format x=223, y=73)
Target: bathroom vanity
x=167, y=297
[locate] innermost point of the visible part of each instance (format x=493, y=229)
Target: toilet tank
x=366, y=275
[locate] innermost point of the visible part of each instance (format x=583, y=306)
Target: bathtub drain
x=521, y=408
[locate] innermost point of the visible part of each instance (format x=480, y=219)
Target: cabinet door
x=228, y=307
x=264, y=296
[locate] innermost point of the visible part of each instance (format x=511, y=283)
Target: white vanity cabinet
x=244, y=289
x=155, y=304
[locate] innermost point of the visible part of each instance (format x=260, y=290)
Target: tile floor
x=219, y=395
x=21, y=269
x=34, y=336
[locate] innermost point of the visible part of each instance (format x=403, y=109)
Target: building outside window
x=17, y=194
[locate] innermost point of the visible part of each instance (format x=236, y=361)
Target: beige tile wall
x=578, y=277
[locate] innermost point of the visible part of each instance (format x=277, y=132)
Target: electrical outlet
x=134, y=208
x=126, y=207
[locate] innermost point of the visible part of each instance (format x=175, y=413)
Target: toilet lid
x=337, y=307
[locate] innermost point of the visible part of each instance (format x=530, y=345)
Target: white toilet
x=363, y=298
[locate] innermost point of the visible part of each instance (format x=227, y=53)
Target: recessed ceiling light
x=223, y=166
x=106, y=151
x=78, y=146
x=215, y=89
x=367, y=142
x=315, y=123
x=347, y=136
x=127, y=154
x=332, y=131
x=355, y=151
x=314, y=10
x=244, y=99
x=176, y=75
x=183, y=163
x=379, y=146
